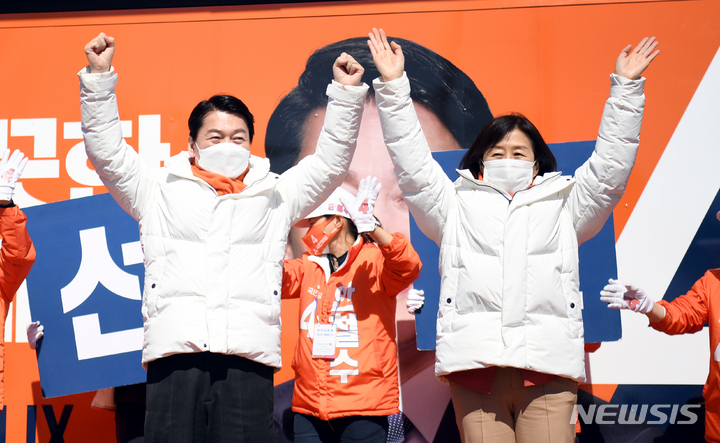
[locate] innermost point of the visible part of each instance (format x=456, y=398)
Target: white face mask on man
x=509, y=174
x=227, y=159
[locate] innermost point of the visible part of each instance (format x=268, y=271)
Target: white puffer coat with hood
x=509, y=265
x=213, y=265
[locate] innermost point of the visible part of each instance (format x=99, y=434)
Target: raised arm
x=401, y=265
x=17, y=253
x=601, y=181
x=99, y=52
x=128, y=178
x=313, y=179
x=361, y=210
x=426, y=189
x=631, y=63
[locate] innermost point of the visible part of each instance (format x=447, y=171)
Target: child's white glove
x=415, y=300
x=34, y=333
x=361, y=209
x=11, y=167
x=620, y=296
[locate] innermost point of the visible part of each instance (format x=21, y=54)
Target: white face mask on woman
x=228, y=159
x=509, y=174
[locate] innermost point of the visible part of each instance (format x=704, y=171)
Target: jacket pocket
x=381, y=356
x=153, y=272
x=574, y=310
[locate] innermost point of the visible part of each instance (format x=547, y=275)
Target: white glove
x=361, y=210
x=11, y=167
x=620, y=296
x=34, y=333
x=415, y=300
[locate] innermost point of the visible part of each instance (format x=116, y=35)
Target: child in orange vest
x=686, y=314
x=17, y=253
x=346, y=377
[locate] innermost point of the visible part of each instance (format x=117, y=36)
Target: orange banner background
x=548, y=60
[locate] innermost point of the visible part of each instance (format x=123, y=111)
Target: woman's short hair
x=495, y=131
x=223, y=103
x=435, y=83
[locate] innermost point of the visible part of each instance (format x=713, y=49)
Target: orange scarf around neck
x=220, y=183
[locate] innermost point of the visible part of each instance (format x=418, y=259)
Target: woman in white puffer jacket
x=509, y=329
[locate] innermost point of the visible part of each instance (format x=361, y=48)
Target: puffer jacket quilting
x=509, y=266
x=213, y=265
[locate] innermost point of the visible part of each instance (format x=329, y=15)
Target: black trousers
x=206, y=397
x=353, y=429
x=130, y=413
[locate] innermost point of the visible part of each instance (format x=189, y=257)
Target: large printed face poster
x=549, y=60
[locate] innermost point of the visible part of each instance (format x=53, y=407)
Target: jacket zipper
x=501, y=192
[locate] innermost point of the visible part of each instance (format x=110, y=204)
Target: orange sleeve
x=400, y=265
x=687, y=313
x=17, y=253
x=292, y=278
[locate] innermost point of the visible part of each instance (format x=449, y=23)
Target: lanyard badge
x=324, y=341
x=324, y=336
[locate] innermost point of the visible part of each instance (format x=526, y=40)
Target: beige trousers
x=513, y=412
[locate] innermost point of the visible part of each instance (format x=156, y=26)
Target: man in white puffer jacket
x=213, y=226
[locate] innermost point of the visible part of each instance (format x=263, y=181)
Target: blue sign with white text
x=86, y=289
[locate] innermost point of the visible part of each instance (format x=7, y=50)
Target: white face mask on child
x=509, y=174
x=228, y=159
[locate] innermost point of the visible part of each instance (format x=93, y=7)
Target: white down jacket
x=213, y=265
x=509, y=265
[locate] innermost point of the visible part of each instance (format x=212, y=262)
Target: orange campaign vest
x=17, y=256
x=359, y=298
x=687, y=314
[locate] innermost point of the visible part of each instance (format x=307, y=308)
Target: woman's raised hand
x=99, y=52
x=347, y=70
x=632, y=62
x=388, y=57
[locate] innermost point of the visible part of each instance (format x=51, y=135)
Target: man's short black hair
x=222, y=103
